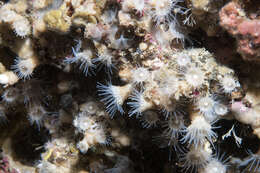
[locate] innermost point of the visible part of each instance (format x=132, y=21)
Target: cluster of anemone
x=180, y=96
x=94, y=132
x=29, y=95
x=20, y=24
x=174, y=87
x=163, y=13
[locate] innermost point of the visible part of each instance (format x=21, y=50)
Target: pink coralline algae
x=5, y=167
x=245, y=30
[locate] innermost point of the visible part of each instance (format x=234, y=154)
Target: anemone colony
x=128, y=86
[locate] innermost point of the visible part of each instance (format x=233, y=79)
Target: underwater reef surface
x=129, y=86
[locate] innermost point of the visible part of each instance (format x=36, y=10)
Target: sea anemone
x=84, y=122
x=175, y=33
x=162, y=10
x=21, y=27
x=229, y=84
x=140, y=75
x=171, y=107
x=10, y=95
x=8, y=15
x=138, y=5
x=105, y=58
x=114, y=96
x=214, y=166
x=220, y=109
x=90, y=107
x=138, y=103
x=81, y=58
x=206, y=106
x=24, y=67
x=252, y=162
x=198, y=132
x=194, y=76
x=36, y=114
x=149, y=119
x=174, y=126
x=183, y=60
x=121, y=43
x=194, y=159
x=92, y=137
x=167, y=81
